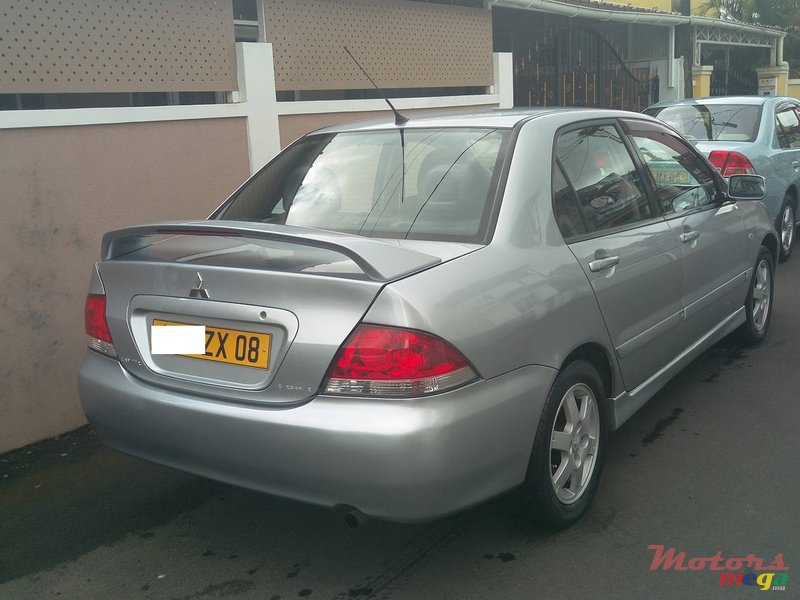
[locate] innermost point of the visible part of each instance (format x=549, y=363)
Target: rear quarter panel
x=773, y=162
x=521, y=300
x=759, y=225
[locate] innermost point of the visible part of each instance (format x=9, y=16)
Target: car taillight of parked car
x=394, y=362
x=731, y=163
x=97, y=326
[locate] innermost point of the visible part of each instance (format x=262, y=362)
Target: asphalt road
x=710, y=465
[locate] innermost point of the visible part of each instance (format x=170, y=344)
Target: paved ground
x=711, y=464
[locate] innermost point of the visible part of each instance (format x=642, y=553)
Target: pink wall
x=294, y=126
x=62, y=188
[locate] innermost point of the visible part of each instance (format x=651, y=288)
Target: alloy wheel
x=787, y=228
x=574, y=443
x=761, y=295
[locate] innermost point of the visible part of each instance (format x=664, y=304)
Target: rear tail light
x=97, y=326
x=399, y=363
x=731, y=163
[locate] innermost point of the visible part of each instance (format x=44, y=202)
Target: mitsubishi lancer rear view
x=404, y=320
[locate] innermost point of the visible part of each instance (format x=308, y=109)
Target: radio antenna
x=398, y=118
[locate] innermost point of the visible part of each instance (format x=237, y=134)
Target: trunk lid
x=706, y=147
x=300, y=292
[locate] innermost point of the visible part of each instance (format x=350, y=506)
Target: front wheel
x=567, y=456
x=758, y=306
x=786, y=228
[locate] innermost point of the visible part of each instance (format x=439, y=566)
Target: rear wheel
x=567, y=456
x=758, y=306
x=786, y=227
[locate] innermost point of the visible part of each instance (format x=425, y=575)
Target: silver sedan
x=403, y=321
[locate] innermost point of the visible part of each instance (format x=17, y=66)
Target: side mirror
x=746, y=187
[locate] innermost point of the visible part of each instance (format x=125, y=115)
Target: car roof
x=712, y=100
x=502, y=119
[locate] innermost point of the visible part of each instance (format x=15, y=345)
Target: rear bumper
x=398, y=460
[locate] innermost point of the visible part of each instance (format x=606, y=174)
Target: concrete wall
x=670, y=84
x=793, y=88
x=62, y=188
x=298, y=118
x=294, y=126
x=701, y=81
x=774, y=80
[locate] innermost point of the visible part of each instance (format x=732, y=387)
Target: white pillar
x=772, y=81
x=256, y=95
x=262, y=22
x=671, y=56
x=504, y=78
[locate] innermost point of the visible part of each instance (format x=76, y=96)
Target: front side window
x=679, y=177
x=436, y=184
x=606, y=184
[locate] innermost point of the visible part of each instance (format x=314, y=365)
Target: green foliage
x=726, y=9
x=786, y=15
x=781, y=13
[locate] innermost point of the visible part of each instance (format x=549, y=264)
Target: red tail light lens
x=95, y=318
x=97, y=326
x=389, y=361
x=731, y=163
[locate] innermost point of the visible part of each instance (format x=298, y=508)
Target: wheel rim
x=574, y=443
x=787, y=228
x=761, y=295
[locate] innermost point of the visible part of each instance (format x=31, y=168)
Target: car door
x=628, y=252
x=786, y=158
x=710, y=231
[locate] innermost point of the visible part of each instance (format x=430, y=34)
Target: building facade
x=585, y=52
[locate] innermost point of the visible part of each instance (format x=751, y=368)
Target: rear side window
x=788, y=127
x=565, y=204
x=435, y=184
x=600, y=187
x=724, y=122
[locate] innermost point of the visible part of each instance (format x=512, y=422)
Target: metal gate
x=733, y=82
x=577, y=67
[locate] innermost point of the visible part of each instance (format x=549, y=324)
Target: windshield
x=724, y=122
x=433, y=184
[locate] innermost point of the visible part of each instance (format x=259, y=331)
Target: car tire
x=786, y=227
x=567, y=457
x=758, y=306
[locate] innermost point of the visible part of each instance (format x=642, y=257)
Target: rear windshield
x=433, y=184
x=724, y=122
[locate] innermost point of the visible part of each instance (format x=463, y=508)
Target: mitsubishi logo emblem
x=198, y=291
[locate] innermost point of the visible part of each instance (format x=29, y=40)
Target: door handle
x=689, y=236
x=600, y=264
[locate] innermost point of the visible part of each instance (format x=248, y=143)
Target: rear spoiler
x=379, y=260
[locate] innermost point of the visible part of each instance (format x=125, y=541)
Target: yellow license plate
x=671, y=177
x=245, y=348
